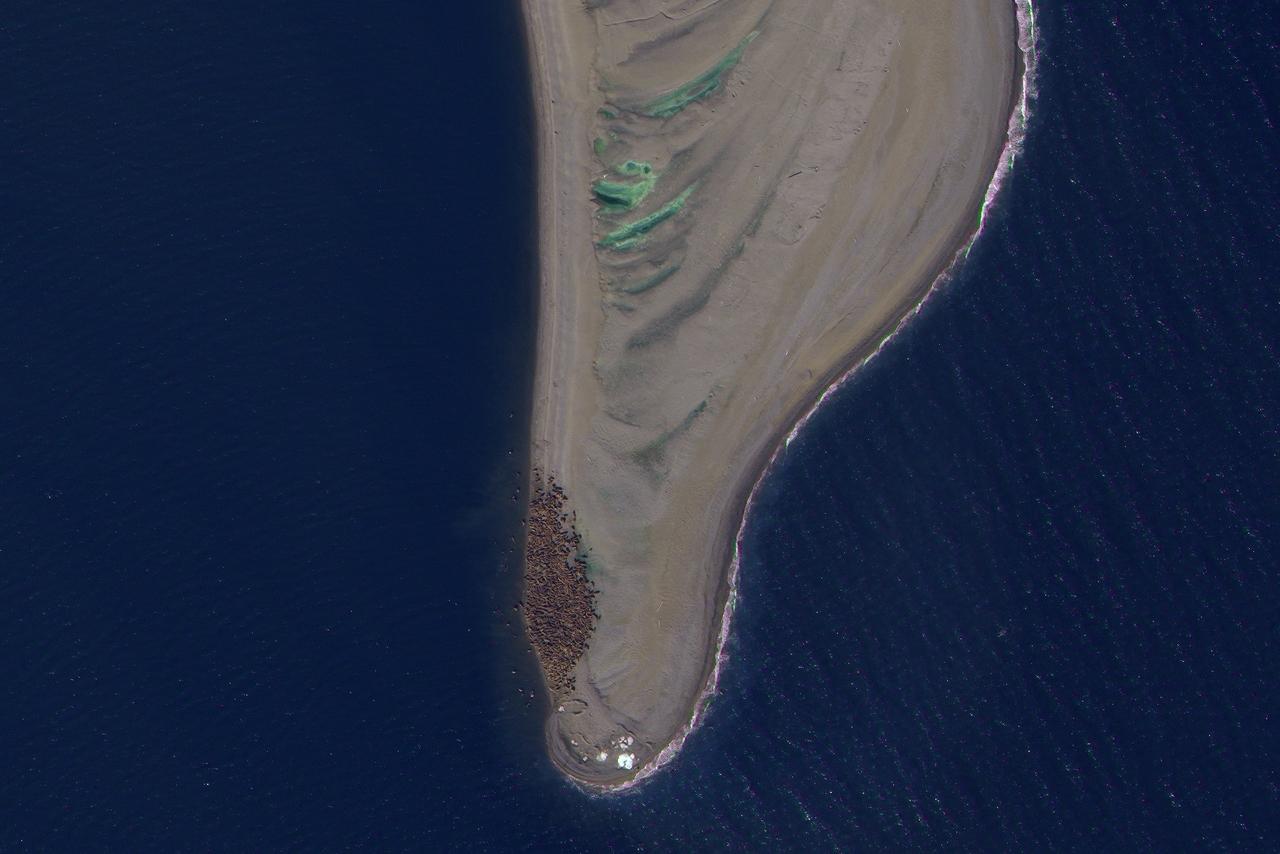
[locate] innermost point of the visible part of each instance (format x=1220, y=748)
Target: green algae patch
x=634, y=168
x=699, y=87
x=625, y=244
x=599, y=145
x=632, y=234
x=618, y=196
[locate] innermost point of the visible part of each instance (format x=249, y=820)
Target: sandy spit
x=737, y=203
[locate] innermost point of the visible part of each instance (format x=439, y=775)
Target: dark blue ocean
x=266, y=319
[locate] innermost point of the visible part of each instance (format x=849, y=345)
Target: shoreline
x=732, y=522
x=1023, y=92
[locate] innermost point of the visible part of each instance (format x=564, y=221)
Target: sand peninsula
x=738, y=200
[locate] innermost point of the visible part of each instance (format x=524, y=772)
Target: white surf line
x=1014, y=139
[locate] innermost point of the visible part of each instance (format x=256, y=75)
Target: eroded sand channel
x=738, y=198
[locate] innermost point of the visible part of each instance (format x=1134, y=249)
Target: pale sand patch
x=836, y=164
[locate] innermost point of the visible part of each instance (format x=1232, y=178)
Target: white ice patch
x=601, y=756
x=626, y=760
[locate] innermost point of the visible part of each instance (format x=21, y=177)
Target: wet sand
x=738, y=199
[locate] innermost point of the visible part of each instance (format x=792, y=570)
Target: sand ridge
x=736, y=199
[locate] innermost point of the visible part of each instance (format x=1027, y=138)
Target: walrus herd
x=559, y=599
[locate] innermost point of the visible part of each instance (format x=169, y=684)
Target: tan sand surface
x=828, y=175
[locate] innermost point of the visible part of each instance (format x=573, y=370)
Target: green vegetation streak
x=617, y=196
x=699, y=87
x=630, y=236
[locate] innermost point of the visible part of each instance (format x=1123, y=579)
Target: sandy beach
x=738, y=200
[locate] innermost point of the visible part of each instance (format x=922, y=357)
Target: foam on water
x=1014, y=139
